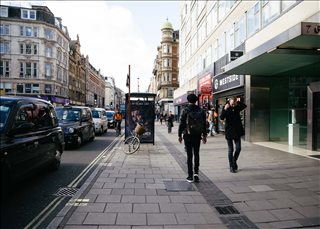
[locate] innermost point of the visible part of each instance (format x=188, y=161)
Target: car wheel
x=93, y=137
x=57, y=159
x=79, y=141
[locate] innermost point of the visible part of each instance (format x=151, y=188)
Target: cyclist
x=118, y=118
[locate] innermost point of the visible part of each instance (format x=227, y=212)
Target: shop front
x=282, y=86
x=180, y=104
x=205, y=90
x=225, y=87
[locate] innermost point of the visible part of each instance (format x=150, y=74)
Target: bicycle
x=118, y=128
x=131, y=144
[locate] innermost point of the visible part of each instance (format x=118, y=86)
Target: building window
x=59, y=55
x=21, y=69
x=230, y=40
x=170, y=92
x=65, y=58
x=270, y=9
x=35, y=49
x=253, y=19
x=221, y=46
x=35, y=70
x=3, y=11
x=49, y=34
x=28, y=14
x=4, y=30
x=28, y=49
x=19, y=88
x=35, y=88
x=4, y=68
x=47, y=89
x=28, y=88
x=65, y=75
x=48, y=52
x=4, y=48
x=286, y=4
x=59, y=73
x=28, y=31
x=28, y=70
x=239, y=32
x=48, y=70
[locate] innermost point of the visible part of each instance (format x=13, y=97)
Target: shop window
x=20, y=88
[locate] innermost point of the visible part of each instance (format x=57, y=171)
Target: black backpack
x=195, y=122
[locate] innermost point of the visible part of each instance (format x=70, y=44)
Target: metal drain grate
x=227, y=210
x=66, y=192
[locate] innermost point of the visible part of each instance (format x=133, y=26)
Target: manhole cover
x=227, y=210
x=66, y=192
x=178, y=186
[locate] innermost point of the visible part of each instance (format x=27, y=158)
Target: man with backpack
x=193, y=128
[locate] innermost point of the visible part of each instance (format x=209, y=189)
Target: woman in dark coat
x=233, y=130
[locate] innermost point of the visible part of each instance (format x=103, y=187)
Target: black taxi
x=77, y=124
x=30, y=137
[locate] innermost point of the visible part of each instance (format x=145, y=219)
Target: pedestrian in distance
x=192, y=129
x=161, y=118
x=213, y=115
x=170, y=122
x=233, y=130
x=118, y=119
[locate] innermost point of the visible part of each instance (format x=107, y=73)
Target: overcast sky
x=115, y=34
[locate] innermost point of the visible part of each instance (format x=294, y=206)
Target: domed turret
x=167, y=25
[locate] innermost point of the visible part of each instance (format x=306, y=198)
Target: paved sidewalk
x=272, y=189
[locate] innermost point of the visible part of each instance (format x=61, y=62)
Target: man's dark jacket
x=233, y=126
x=183, y=120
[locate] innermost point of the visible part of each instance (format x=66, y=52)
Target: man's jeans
x=233, y=157
x=192, y=146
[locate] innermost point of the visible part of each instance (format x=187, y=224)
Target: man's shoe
x=235, y=165
x=196, y=178
x=232, y=170
x=190, y=179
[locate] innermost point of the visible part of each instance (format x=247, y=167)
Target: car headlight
x=71, y=130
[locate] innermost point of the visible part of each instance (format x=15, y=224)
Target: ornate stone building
x=34, y=53
x=77, y=74
x=166, y=67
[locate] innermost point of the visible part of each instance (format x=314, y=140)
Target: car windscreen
x=5, y=109
x=96, y=114
x=68, y=114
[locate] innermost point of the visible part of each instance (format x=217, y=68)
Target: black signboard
x=235, y=54
x=141, y=111
x=226, y=82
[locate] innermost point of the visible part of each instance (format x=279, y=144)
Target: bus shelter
x=140, y=109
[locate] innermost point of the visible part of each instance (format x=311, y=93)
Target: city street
x=35, y=194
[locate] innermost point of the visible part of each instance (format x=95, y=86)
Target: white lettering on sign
x=228, y=79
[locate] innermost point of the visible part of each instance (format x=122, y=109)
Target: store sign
x=205, y=85
x=235, y=55
x=226, y=82
x=309, y=28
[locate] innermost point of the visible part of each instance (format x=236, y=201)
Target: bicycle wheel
x=130, y=145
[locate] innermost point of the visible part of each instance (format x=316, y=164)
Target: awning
x=292, y=49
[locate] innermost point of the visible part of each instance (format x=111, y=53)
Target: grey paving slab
x=99, y=191
x=114, y=227
x=109, y=198
x=134, y=185
x=80, y=227
x=286, y=224
x=200, y=208
x=181, y=199
x=180, y=227
x=308, y=211
x=98, y=185
x=158, y=199
x=211, y=226
x=106, y=180
x=131, y=219
x=147, y=227
x=198, y=199
x=145, y=192
x=161, y=219
x=190, y=218
x=211, y=218
x=122, y=191
x=283, y=203
x=155, y=186
x=286, y=214
x=261, y=216
x=146, y=208
x=259, y=204
x=91, y=207
x=118, y=207
x=120, y=175
x=77, y=218
x=133, y=199
x=100, y=218
x=172, y=207
x=113, y=185
x=306, y=201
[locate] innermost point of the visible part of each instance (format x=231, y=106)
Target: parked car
x=30, y=137
x=77, y=124
x=100, y=120
x=111, y=121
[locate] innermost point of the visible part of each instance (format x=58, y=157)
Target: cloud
x=109, y=36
